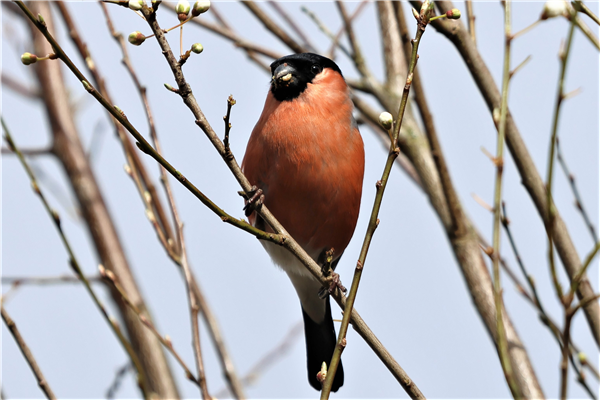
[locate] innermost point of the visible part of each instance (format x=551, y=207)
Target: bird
x=306, y=159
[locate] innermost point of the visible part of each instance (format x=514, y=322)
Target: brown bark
x=69, y=151
x=456, y=32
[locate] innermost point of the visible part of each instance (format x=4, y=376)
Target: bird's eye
x=315, y=69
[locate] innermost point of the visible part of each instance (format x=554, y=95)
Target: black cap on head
x=291, y=74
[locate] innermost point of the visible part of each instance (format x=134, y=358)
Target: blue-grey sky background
x=412, y=293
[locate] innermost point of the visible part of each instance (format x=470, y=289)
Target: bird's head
x=292, y=74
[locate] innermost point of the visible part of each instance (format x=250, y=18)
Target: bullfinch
x=306, y=155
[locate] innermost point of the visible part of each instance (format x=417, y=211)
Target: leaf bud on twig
x=386, y=120
x=183, y=7
x=86, y=85
x=55, y=216
x=415, y=14
x=453, y=14
x=127, y=169
x=553, y=9
x=197, y=48
x=136, y=38
x=426, y=9
x=200, y=7
x=171, y=88
x=28, y=58
x=150, y=216
x=136, y=5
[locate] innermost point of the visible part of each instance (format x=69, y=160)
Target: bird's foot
x=334, y=283
x=254, y=200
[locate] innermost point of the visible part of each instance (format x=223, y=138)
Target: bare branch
x=277, y=7
x=458, y=35
x=102, y=230
x=578, y=199
x=273, y=27
x=44, y=151
x=269, y=359
x=19, y=87
x=41, y=380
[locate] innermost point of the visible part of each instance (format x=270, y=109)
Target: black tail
x=320, y=344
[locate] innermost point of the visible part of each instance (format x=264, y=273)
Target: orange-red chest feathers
x=307, y=156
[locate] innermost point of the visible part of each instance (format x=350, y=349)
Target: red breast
x=307, y=155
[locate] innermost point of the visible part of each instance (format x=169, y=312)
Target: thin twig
x=292, y=24
x=43, y=151
x=176, y=251
x=72, y=259
x=281, y=236
x=395, y=65
x=47, y=280
x=230, y=103
x=586, y=30
x=336, y=39
x=169, y=242
x=18, y=87
x=381, y=185
x=521, y=65
x=273, y=27
x=270, y=358
x=17, y=282
x=564, y=56
x=164, y=340
x=146, y=188
x=227, y=32
x=194, y=308
x=456, y=214
x=101, y=226
x=39, y=376
x=566, y=301
x=586, y=263
x=323, y=28
x=118, y=379
x=499, y=162
x=526, y=29
x=578, y=200
x=536, y=301
x=357, y=55
x=582, y=8
x=471, y=20
x=142, y=143
x=530, y=177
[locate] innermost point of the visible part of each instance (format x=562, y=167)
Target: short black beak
x=283, y=75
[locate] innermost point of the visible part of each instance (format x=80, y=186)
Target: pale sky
x=412, y=294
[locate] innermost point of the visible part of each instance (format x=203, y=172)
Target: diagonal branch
x=530, y=177
x=284, y=238
x=108, y=246
x=41, y=380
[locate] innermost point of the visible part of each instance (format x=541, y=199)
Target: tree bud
x=386, y=120
x=415, y=14
x=136, y=5
x=453, y=14
x=200, y=7
x=197, y=48
x=136, y=38
x=28, y=58
x=183, y=7
x=553, y=9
